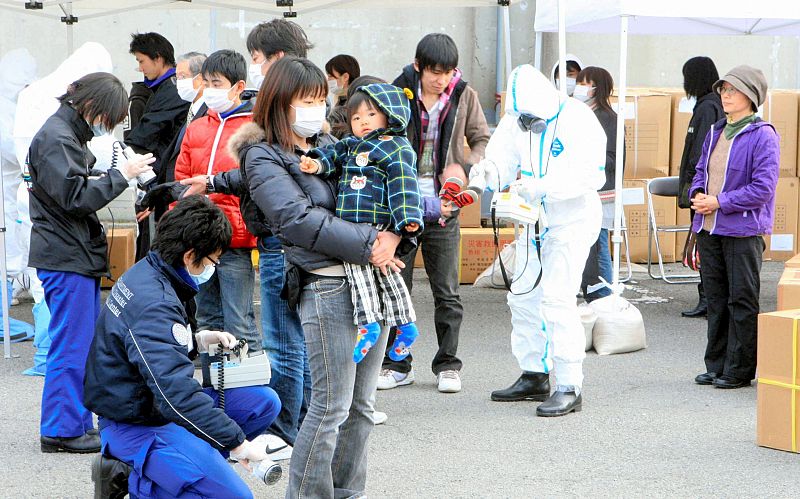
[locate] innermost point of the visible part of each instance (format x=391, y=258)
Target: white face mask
x=308, y=120
x=186, y=89
x=217, y=99
x=582, y=92
x=203, y=276
x=571, y=82
x=254, y=72
x=333, y=87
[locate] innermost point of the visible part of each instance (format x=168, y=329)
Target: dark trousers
x=730, y=269
x=440, y=248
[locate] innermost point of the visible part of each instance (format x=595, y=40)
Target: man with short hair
x=444, y=112
x=225, y=302
x=163, y=114
x=271, y=40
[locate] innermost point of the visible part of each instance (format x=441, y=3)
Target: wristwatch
x=209, y=184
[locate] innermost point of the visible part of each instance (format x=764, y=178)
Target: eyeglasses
x=727, y=90
x=213, y=262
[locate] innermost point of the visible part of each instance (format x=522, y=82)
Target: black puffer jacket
x=707, y=111
x=298, y=207
x=66, y=234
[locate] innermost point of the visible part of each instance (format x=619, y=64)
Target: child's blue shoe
x=406, y=335
x=367, y=336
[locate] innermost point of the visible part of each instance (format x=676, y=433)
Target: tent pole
x=70, y=37
x=500, y=80
x=537, y=51
x=562, y=46
x=4, y=277
x=622, y=91
x=507, y=38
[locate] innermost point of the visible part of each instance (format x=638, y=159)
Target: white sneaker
x=449, y=381
x=277, y=449
x=379, y=417
x=389, y=379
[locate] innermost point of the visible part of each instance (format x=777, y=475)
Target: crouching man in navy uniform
x=154, y=416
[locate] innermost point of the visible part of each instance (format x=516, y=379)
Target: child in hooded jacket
x=377, y=185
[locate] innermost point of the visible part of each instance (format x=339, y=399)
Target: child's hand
x=308, y=165
x=412, y=227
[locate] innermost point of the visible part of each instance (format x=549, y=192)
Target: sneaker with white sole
x=449, y=381
x=379, y=417
x=277, y=449
x=389, y=379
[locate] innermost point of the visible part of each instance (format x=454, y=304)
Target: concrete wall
x=382, y=40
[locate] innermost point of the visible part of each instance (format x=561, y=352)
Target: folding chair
x=665, y=187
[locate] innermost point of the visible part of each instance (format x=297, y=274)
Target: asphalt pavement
x=646, y=430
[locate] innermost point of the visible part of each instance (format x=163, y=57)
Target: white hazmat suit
x=563, y=166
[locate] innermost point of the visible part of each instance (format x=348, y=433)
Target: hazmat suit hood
x=39, y=101
x=393, y=102
x=17, y=70
x=529, y=92
x=570, y=57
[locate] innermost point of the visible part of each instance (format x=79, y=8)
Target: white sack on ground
x=588, y=319
x=492, y=277
x=619, y=327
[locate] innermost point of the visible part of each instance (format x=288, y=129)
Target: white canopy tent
x=648, y=17
x=72, y=12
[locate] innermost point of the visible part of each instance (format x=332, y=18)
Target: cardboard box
x=778, y=417
x=122, y=253
x=682, y=217
x=780, y=109
x=793, y=262
x=470, y=215
x=782, y=243
x=789, y=290
x=478, y=252
x=502, y=103
x=647, y=133
x=635, y=205
x=680, y=116
x=419, y=263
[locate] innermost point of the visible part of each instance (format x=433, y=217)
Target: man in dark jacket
x=444, y=112
x=163, y=115
x=154, y=415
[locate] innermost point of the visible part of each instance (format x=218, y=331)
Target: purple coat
x=747, y=200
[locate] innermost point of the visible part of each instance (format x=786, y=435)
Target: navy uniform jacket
x=138, y=369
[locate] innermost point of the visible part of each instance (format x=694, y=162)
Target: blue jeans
x=225, y=302
x=168, y=461
x=597, y=264
x=74, y=303
x=283, y=341
x=330, y=453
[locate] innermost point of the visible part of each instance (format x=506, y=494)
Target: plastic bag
x=588, y=319
x=492, y=277
x=619, y=327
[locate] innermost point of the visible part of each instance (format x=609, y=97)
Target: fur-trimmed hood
x=251, y=134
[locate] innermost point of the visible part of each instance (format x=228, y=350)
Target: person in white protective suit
x=558, y=147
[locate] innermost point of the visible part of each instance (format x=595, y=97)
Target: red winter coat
x=204, y=151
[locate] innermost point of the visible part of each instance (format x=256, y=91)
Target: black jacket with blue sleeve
x=138, y=370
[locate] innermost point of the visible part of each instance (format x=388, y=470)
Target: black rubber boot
x=529, y=386
x=560, y=404
x=110, y=478
x=701, y=310
x=85, y=444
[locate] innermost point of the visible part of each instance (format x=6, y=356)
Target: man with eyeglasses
x=153, y=415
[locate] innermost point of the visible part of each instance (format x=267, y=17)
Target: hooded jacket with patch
x=204, y=152
x=377, y=174
x=747, y=200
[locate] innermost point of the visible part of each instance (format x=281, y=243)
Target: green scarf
x=731, y=129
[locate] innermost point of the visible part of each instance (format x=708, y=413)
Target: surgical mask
x=571, y=82
x=333, y=87
x=254, y=73
x=308, y=120
x=99, y=130
x=217, y=99
x=203, y=276
x=581, y=93
x=186, y=89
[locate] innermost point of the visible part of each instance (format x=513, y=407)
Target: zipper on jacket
x=708, y=160
x=218, y=136
x=724, y=178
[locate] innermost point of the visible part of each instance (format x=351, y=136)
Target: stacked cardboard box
x=477, y=251
x=780, y=109
x=778, y=417
x=782, y=243
x=789, y=289
x=647, y=133
x=636, y=216
x=121, y=253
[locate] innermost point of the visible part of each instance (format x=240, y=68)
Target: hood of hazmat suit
x=570, y=83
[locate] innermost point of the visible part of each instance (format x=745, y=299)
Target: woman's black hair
x=194, y=224
x=437, y=52
x=699, y=74
x=342, y=64
x=602, y=82
x=153, y=45
x=98, y=95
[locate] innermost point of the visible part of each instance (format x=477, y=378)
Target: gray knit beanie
x=748, y=80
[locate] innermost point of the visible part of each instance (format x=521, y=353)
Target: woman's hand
x=705, y=204
x=137, y=165
x=383, y=251
x=197, y=185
